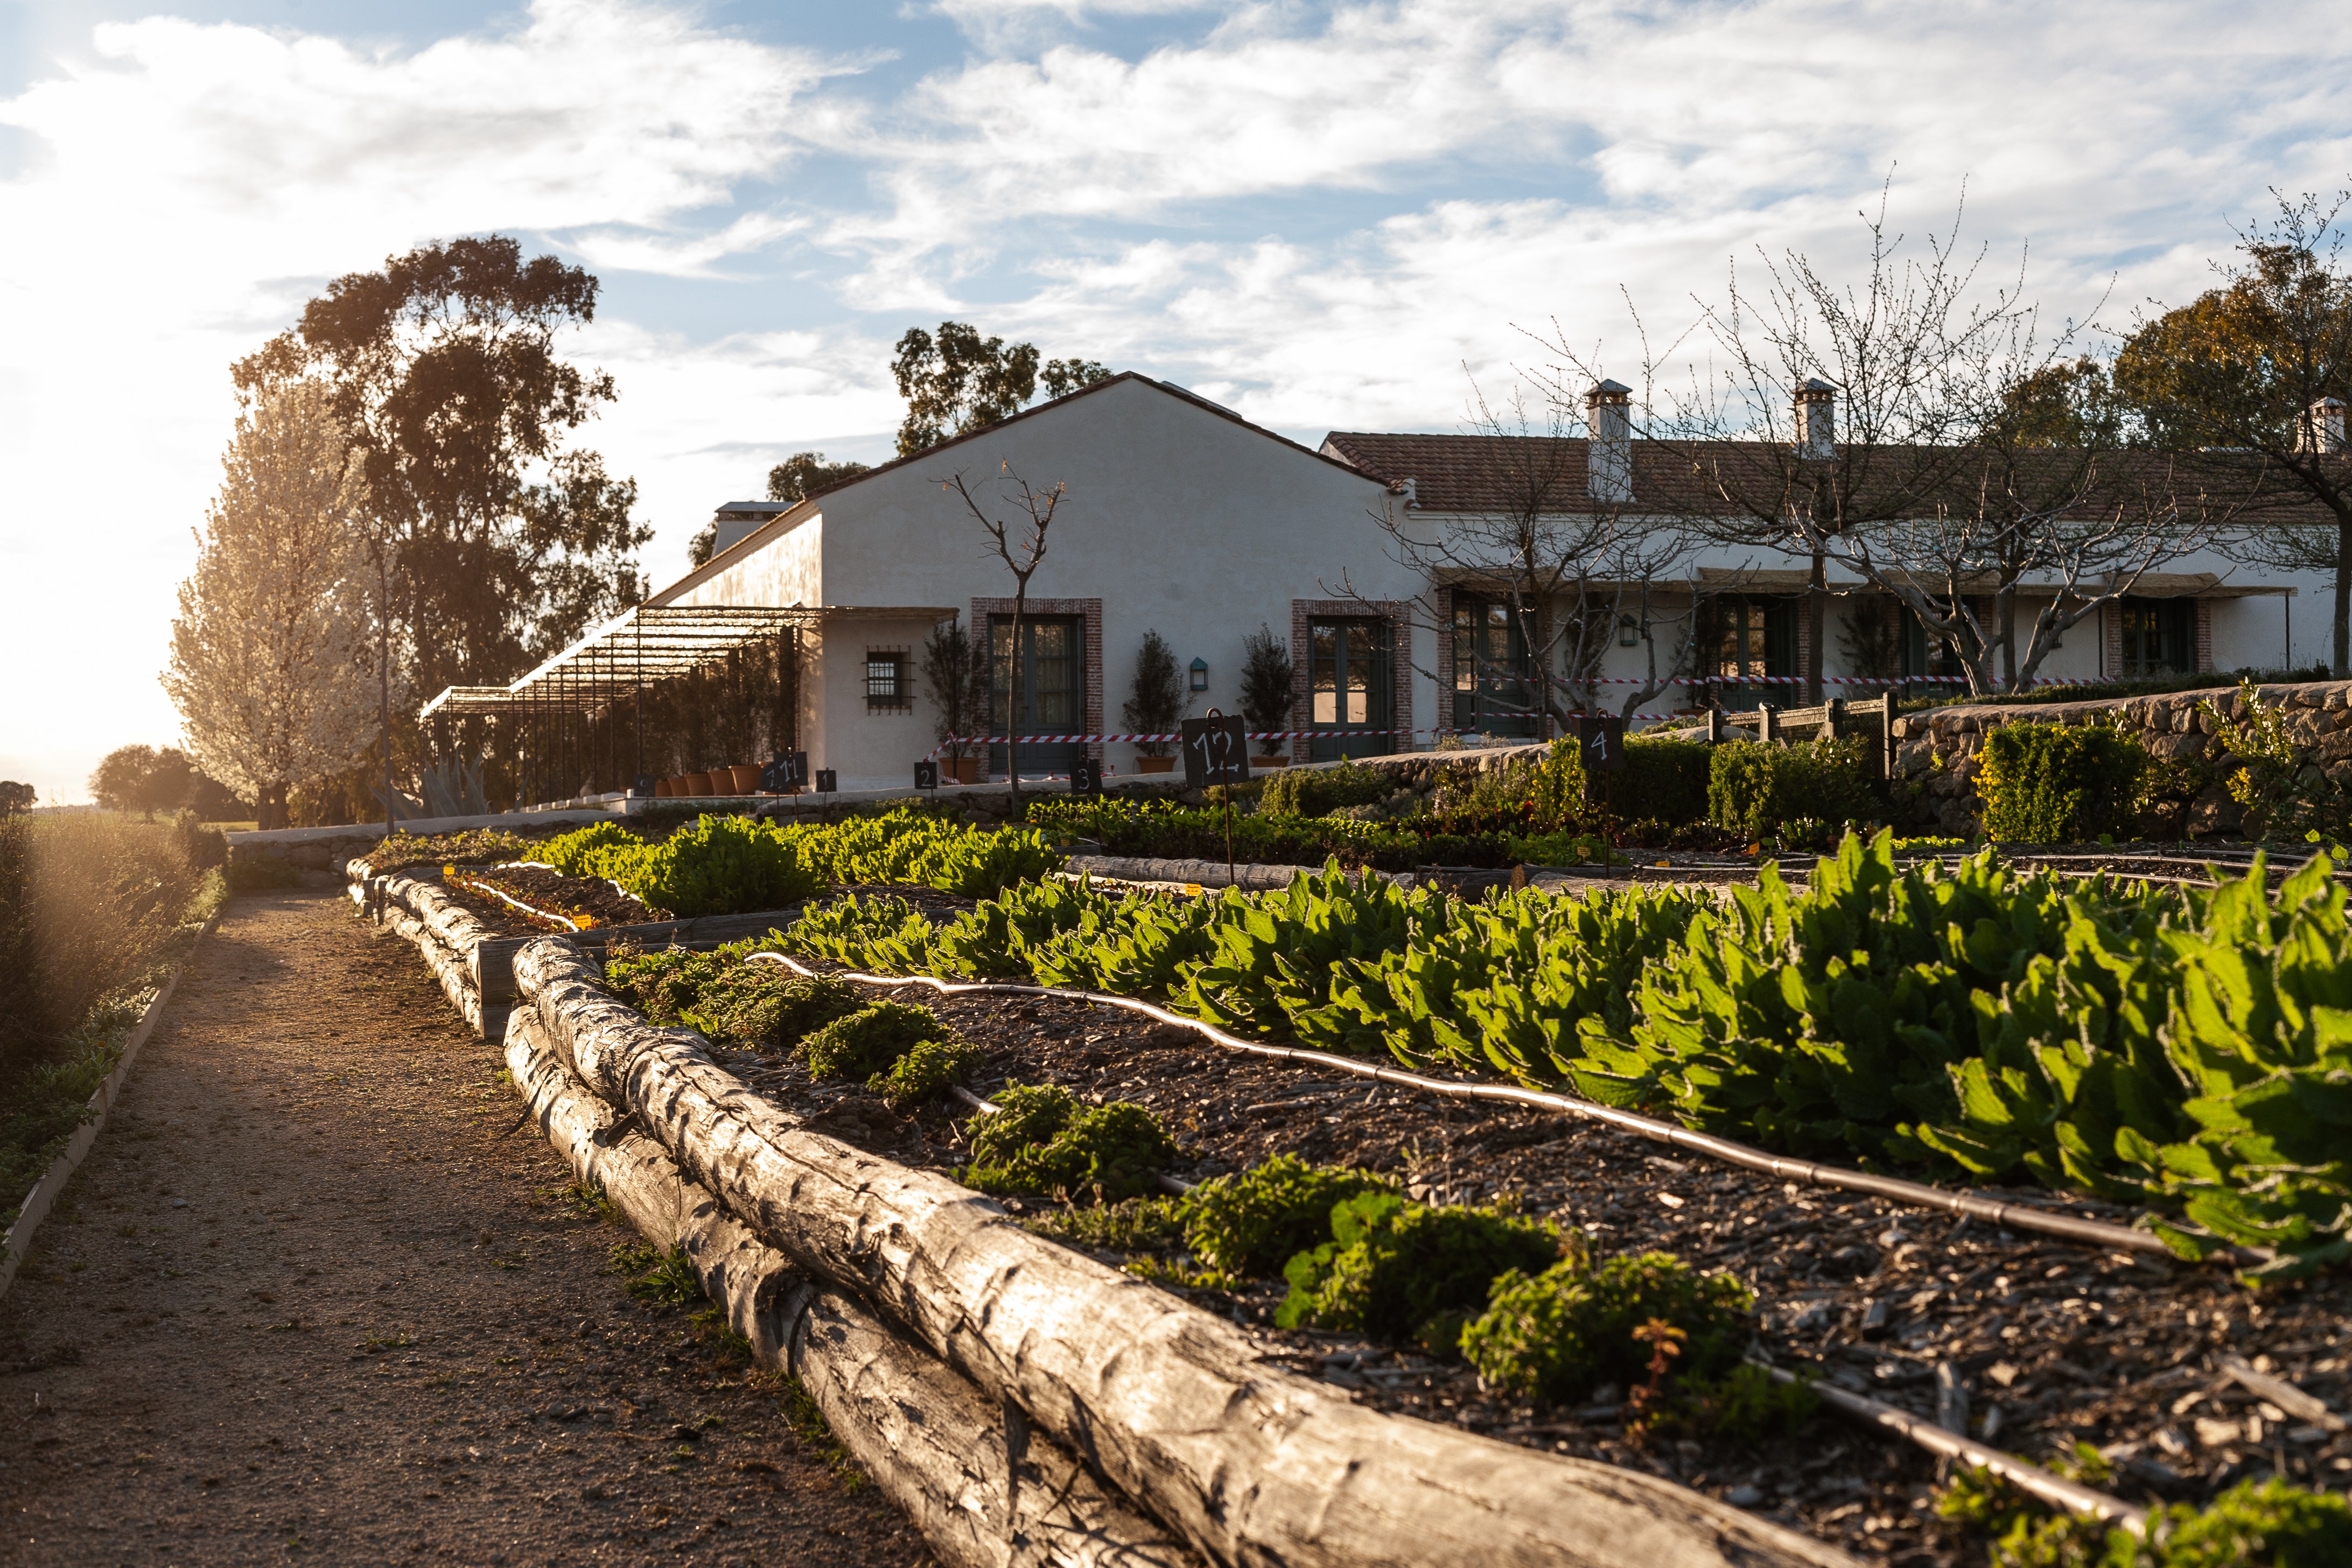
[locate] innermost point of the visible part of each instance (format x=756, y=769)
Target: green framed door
x=1493, y=679
x=1046, y=696
x=1349, y=689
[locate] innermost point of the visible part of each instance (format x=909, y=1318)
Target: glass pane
x=1323, y=668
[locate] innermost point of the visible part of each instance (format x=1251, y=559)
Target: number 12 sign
x=1215, y=752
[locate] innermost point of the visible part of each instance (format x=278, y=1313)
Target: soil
x=2067, y=1344
x=305, y=1302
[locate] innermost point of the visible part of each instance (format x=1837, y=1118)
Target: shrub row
x=2172, y=1045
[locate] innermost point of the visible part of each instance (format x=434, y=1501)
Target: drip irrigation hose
x=2025, y=1474
x=480, y=887
x=1962, y=1205
x=1890, y=1419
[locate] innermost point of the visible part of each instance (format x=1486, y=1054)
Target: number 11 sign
x=1215, y=752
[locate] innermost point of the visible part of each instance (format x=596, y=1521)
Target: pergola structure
x=638, y=648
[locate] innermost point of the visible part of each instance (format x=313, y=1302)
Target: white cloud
x=1317, y=216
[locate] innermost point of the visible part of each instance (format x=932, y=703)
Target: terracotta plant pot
x=698, y=784
x=747, y=778
x=1155, y=764
x=664, y=788
x=962, y=769
x=1269, y=762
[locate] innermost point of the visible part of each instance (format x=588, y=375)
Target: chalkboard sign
x=826, y=783
x=927, y=775
x=1215, y=752
x=784, y=771
x=1085, y=776
x=646, y=787
x=1602, y=737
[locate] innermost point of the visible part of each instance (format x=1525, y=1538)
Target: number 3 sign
x=1215, y=752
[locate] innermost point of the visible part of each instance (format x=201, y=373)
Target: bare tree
x=1563, y=546
x=1020, y=543
x=1901, y=429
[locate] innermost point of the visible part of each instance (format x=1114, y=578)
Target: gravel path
x=304, y=1302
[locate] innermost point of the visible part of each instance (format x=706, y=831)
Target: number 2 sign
x=1215, y=752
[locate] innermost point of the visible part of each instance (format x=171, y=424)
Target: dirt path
x=304, y=1302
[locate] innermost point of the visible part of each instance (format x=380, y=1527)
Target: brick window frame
x=1089, y=612
x=1398, y=614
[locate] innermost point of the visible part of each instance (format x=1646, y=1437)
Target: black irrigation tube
x=1888, y=1419
x=1962, y=1204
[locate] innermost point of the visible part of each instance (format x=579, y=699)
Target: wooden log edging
x=1253, y=1464
x=985, y=1491
x=52, y=1184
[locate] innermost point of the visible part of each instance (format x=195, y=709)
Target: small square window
x=886, y=680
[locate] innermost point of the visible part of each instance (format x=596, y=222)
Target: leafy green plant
x=2283, y=792
x=1042, y=1139
x=871, y=1040
x=716, y=864
x=663, y=1276
x=2264, y=1523
x=1251, y=1223
x=1555, y=1335
x=767, y=1005
x=2048, y=783
x=1313, y=792
x=1131, y=1224
x=1404, y=1269
x=584, y=852
x=1745, y=1405
x=1664, y=778
x=1753, y=788
x=929, y=1064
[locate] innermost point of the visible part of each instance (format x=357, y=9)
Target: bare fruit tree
x=1563, y=545
x=1918, y=429
x=1014, y=518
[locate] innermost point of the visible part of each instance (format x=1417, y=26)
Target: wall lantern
x=1200, y=674
x=1629, y=631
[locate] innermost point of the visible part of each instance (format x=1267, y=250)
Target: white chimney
x=1410, y=489
x=1609, y=461
x=2323, y=426
x=1816, y=419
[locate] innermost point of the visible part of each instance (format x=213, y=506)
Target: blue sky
x=1327, y=216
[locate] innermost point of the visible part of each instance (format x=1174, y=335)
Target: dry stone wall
x=1937, y=753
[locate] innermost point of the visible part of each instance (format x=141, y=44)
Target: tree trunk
x=1012, y=700
x=2339, y=653
x=985, y=1492
x=270, y=806
x=1176, y=1408
x=1817, y=626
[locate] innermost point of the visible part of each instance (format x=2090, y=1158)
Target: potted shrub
x=1155, y=704
x=1266, y=696
x=955, y=670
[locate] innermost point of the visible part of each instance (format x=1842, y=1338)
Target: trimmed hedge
x=2046, y=784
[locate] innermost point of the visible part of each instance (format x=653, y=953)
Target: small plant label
x=826, y=781
x=927, y=775
x=1602, y=737
x=646, y=787
x=1216, y=751
x=785, y=770
x=1085, y=776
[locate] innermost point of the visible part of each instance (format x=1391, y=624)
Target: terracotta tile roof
x=1497, y=474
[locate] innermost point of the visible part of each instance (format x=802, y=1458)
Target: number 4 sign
x=1602, y=737
x=1215, y=752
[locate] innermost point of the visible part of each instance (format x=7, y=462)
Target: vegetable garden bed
x=2066, y=1344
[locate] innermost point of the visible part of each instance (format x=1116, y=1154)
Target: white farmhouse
x=1179, y=516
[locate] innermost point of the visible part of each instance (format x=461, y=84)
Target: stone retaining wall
x=1936, y=752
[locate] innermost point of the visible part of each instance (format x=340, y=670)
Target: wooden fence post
x=1715, y=726
x=1768, y=724
x=1886, y=734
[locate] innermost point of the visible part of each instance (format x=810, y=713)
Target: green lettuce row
x=733, y=865
x=2187, y=1049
